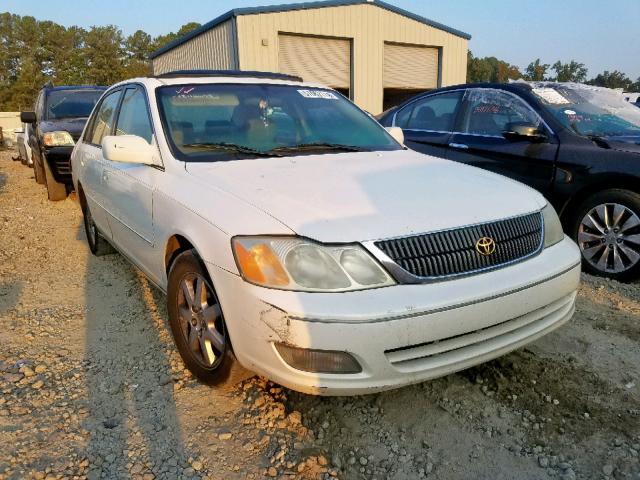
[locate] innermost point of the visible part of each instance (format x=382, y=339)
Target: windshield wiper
x=319, y=146
x=228, y=146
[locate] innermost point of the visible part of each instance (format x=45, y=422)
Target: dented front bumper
x=402, y=334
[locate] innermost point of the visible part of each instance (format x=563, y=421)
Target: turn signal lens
x=258, y=264
x=318, y=361
x=553, y=232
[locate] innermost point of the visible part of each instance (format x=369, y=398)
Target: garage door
x=410, y=67
x=315, y=59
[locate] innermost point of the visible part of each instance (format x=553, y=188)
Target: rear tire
x=98, y=245
x=56, y=191
x=606, y=227
x=198, y=325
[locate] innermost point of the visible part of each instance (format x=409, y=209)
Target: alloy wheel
x=609, y=238
x=201, y=320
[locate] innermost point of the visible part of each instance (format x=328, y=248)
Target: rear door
x=479, y=139
x=428, y=122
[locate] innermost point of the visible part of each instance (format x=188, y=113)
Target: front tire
x=198, y=325
x=56, y=191
x=606, y=227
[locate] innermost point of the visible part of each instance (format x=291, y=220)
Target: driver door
x=479, y=139
x=130, y=186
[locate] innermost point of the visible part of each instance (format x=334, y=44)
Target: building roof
x=236, y=12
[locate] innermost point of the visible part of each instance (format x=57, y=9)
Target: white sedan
x=297, y=238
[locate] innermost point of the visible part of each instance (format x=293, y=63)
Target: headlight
x=58, y=139
x=291, y=263
x=553, y=232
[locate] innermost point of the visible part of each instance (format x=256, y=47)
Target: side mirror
x=523, y=131
x=28, y=117
x=397, y=133
x=127, y=149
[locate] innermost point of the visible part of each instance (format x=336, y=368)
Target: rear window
x=71, y=103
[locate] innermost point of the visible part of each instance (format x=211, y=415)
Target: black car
x=59, y=117
x=578, y=145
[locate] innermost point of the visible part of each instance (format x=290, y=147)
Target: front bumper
x=59, y=159
x=402, y=334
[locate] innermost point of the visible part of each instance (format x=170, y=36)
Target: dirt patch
x=92, y=386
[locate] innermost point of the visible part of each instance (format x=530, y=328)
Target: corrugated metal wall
x=410, y=67
x=368, y=25
x=321, y=60
x=214, y=49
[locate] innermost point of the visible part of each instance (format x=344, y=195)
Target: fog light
x=318, y=361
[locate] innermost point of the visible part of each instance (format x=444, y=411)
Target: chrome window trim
x=402, y=276
x=393, y=119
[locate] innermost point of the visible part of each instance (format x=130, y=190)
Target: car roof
x=152, y=82
x=74, y=87
x=513, y=86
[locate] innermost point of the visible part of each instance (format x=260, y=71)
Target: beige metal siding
x=214, y=49
x=316, y=59
x=369, y=27
x=411, y=67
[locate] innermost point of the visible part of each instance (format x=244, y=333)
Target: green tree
x=490, y=69
x=570, y=72
x=139, y=45
x=103, y=54
x=161, y=40
x=536, y=71
x=615, y=79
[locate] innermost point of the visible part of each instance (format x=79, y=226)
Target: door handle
x=460, y=146
x=105, y=177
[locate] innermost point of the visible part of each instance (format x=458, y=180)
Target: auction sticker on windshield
x=318, y=94
x=550, y=95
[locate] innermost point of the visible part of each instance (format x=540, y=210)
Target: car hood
x=624, y=144
x=72, y=125
x=350, y=197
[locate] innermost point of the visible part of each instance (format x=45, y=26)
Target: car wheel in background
x=98, y=245
x=606, y=227
x=198, y=325
x=56, y=191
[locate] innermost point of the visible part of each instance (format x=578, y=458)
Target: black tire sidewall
x=185, y=263
x=92, y=245
x=627, y=198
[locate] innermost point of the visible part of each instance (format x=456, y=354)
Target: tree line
x=491, y=69
x=34, y=52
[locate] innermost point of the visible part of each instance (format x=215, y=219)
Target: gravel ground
x=92, y=386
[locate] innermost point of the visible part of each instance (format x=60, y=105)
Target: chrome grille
x=453, y=252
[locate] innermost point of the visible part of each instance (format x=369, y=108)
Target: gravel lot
x=92, y=386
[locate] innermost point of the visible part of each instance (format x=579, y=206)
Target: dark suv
x=578, y=145
x=59, y=117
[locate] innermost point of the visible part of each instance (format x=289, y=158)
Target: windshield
x=71, y=103
x=590, y=111
x=211, y=122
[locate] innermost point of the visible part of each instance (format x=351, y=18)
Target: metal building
x=373, y=52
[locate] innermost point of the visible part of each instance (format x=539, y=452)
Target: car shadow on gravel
x=133, y=424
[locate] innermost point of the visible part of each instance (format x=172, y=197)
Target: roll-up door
x=316, y=59
x=410, y=67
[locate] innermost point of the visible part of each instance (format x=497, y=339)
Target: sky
x=604, y=35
